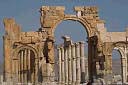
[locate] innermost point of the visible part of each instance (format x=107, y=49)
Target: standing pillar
x=78, y=72
x=73, y=64
x=22, y=55
x=29, y=67
x=123, y=60
x=36, y=70
x=16, y=70
x=62, y=66
x=19, y=67
x=69, y=65
x=124, y=70
x=126, y=64
x=59, y=55
x=66, y=65
x=82, y=63
x=25, y=66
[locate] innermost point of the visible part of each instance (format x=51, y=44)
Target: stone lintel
x=82, y=8
x=62, y=8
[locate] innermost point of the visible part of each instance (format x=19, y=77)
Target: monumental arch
x=29, y=56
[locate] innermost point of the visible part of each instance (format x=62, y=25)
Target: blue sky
x=26, y=13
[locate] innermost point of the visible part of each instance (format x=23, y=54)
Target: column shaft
x=25, y=66
x=78, y=72
x=36, y=71
x=123, y=69
x=66, y=66
x=29, y=67
x=22, y=55
x=17, y=70
x=62, y=65
x=73, y=65
x=69, y=65
x=19, y=67
x=82, y=62
x=59, y=56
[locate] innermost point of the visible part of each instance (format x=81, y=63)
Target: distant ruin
x=29, y=56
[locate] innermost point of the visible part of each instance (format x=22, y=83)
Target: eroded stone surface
x=41, y=44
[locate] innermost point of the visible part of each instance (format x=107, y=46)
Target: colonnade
x=24, y=66
x=71, y=63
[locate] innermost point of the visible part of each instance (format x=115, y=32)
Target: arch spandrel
x=121, y=47
x=109, y=46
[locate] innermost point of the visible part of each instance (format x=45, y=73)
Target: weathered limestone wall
x=41, y=43
x=15, y=40
x=12, y=31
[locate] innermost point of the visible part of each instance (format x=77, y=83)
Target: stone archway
x=100, y=42
x=117, y=64
x=121, y=47
x=51, y=16
x=25, y=64
x=80, y=20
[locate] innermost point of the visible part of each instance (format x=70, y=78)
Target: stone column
x=123, y=60
x=66, y=65
x=73, y=64
x=59, y=56
x=29, y=67
x=82, y=63
x=69, y=65
x=22, y=56
x=62, y=65
x=78, y=72
x=19, y=67
x=126, y=64
x=25, y=66
x=16, y=71
x=124, y=70
x=36, y=70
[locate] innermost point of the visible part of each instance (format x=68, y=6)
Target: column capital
x=58, y=48
x=82, y=42
x=76, y=44
x=72, y=45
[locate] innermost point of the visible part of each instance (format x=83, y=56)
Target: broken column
x=82, y=61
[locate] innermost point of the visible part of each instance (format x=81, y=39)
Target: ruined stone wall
x=41, y=42
x=15, y=40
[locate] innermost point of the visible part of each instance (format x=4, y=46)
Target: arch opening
x=75, y=19
x=24, y=65
x=77, y=32
x=117, y=65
